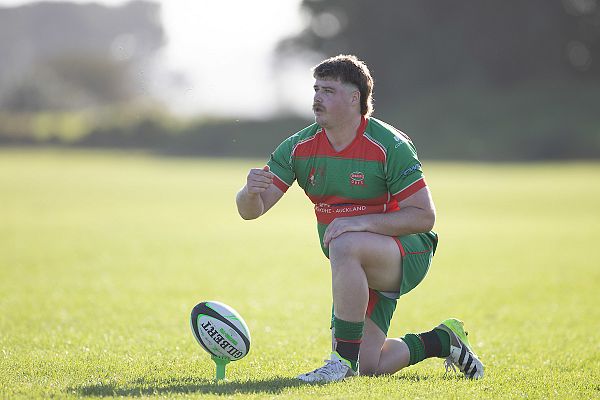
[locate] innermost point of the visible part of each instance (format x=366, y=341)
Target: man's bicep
x=270, y=197
x=421, y=199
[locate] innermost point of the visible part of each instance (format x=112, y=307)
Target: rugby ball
x=220, y=330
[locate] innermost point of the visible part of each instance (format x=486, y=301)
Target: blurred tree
x=487, y=79
x=62, y=56
x=70, y=82
x=416, y=44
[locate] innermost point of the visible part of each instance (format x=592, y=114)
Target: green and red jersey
x=371, y=175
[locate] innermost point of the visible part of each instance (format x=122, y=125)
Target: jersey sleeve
x=404, y=174
x=281, y=165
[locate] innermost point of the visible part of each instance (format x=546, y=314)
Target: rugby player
x=375, y=216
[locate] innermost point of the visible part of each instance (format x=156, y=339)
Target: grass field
x=103, y=255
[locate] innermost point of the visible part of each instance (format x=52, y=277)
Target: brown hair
x=349, y=69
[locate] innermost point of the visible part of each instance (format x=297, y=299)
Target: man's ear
x=356, y=97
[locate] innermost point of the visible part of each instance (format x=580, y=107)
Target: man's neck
x=341, y=135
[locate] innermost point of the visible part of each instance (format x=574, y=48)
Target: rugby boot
x=335, y=369
x=461, y=352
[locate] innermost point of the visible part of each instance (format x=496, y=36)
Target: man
x=374, y=217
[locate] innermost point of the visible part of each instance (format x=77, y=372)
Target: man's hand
x=416, y=215
x=258, y=195
x=342, y=225
x=259, y=180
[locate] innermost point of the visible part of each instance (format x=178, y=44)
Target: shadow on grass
x=192, y=385
x=142, y=387
x=415, y=377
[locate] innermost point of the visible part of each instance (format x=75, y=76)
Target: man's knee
x=367, y=369
x=346, y=245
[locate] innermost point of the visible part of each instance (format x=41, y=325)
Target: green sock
x=435, y=343
x=348, y=336
x=445, y=340
x=416, y=348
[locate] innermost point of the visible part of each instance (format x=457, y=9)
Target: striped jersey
x=371, y=175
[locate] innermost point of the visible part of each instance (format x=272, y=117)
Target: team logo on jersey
x=316, y=176
x=357, y=178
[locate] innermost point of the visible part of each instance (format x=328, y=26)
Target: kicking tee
x=371, y=175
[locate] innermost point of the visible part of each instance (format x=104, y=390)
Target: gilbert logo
x=221, y=340
x=357, y=178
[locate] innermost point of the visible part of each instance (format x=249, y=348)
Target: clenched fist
x=259, y=180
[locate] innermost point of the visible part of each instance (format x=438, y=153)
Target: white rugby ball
x=220, y=330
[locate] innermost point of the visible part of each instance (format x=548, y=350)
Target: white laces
x=331, y=368
x=449, y=364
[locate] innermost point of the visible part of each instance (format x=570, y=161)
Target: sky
x=207, y=40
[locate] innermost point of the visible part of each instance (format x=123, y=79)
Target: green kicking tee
x=371, y=175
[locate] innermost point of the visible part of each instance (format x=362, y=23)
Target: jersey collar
x=359, y=133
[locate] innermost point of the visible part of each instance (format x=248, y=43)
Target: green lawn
x=103, y=256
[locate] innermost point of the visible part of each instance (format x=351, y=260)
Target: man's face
x=333, y=101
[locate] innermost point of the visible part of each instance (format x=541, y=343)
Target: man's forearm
x=406, y=221
x=250, y=206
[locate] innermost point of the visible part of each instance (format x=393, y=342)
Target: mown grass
x=103, y=256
